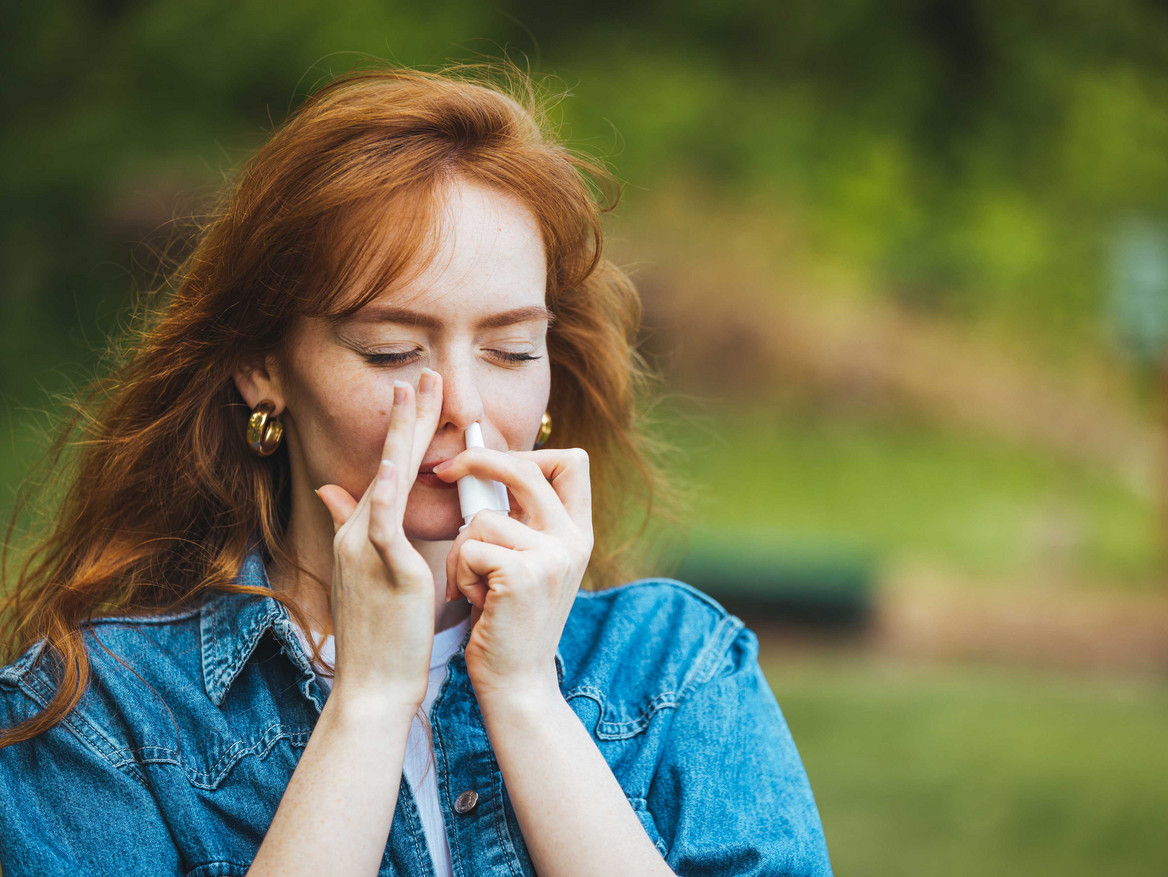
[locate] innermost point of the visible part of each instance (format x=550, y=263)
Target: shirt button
x=466, y=802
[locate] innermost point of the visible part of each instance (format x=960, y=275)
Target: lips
x=429, y=479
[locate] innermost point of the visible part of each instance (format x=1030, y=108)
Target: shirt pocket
x=219, y=760
x=622, y=719
x=641, y=808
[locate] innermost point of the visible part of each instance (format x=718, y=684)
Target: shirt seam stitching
x=145, y=619
x=720, y=643
x=210, y=778
x=29, y=687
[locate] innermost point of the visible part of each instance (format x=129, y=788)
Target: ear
x=257, y=381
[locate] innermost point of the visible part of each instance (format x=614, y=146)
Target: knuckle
x=494, y=518
x=578, y=457
x=576, y=550
x=382, y=529
x=344, y=547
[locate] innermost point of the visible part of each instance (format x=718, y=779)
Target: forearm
x=336, y=812
x=575, y=818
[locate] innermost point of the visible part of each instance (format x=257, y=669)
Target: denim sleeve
x=68, y=811
x=731, y=790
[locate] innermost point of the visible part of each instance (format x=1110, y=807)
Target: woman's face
x=476, y=316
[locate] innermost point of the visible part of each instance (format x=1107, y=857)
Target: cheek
x=344, y=432
x=516, y=408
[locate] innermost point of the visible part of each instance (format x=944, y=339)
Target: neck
x=311, y=544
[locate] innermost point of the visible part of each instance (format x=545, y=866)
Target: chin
x=435, y=521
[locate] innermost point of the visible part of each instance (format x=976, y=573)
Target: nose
x=462, y=403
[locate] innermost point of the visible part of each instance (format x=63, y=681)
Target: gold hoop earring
x=264, y=431
x=545, y=431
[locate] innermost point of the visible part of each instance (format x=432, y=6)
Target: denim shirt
x=174, y=762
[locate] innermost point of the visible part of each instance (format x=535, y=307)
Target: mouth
x=427, y=478
x=427, y=467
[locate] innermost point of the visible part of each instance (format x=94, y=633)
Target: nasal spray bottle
x=476, y=494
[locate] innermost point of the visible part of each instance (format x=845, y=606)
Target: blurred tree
x=965, y=156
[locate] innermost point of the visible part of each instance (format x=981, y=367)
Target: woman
x=411, y=253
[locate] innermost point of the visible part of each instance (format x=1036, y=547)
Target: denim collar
x=232, y=625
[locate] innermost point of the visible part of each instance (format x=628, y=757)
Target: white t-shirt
x=419, y=761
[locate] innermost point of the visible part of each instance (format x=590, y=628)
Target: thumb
x=338, y=502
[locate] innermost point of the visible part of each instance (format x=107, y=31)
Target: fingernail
x=316, y=490
x=386, y=468
x=399, y=392
x=445, y=464
x=427, y=381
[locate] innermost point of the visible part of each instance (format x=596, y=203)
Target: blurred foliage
x=968, y=157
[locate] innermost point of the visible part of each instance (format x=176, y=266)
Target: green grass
x=977, y=771
x=816, y=484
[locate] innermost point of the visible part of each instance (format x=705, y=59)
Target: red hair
x=163, y=498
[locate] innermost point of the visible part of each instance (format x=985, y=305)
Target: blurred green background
x=905, y=268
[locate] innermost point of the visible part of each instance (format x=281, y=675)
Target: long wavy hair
x=160, y=497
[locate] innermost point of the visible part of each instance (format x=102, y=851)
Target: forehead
x=487, y=259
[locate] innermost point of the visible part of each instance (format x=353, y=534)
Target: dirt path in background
x=919, y=619
x=1048, y=627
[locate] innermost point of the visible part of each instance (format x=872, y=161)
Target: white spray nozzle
x=476, y=494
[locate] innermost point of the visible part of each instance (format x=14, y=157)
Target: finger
x=429, y=409
x=499, y=528
x=359, y=514
x=399, y=440
x=523, y=478
x=476, y=594
x=517, y=511
x=476, y=561
x=491, y=526
x=452, y=561
x=567, y=470
x=343, y=509
x=384, y=526
x=338, y=502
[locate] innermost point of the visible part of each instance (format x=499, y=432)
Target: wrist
x=520, y=697
x=385, y=707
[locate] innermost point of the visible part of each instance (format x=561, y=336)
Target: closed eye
x=389, y=358
x=409, y=356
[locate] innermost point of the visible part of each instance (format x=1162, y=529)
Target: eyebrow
x=391, y=314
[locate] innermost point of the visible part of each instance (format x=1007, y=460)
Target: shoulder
x=157, y=641
x=131, y=660
x=652, y=610
x=85, y=759
x=647, y=644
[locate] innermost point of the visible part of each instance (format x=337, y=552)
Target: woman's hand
x=383, y=590
x=521, y=575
